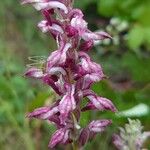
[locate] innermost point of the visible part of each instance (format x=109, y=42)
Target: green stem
x=75, y=145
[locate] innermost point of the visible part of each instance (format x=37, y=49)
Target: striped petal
x=67, y=103
x=98, y=125
x=34, y=73
x=102, y=103
x=43, y=113
x=60, y=136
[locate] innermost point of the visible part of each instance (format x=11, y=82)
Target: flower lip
x=59, y=56
x=67, y=103
x=80, y=24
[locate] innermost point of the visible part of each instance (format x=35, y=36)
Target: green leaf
x=136, y=37
x=38, y=101
x=138, y=67
x=106, y=7
x=83, y=3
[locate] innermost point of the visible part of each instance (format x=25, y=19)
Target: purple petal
x=58, y=57
x=86, y=81
x=51, y=82
x=66, y=136
x=102, y=103
x=57, y=28
x=86, y=46
x=71, y=31
x=31, y=1
x=45, y=27
x=34, y=73
x=84, y=137
x=38, y=112
x=57, y=137
x=140, y=140
x=103, y=35
x=91, y=78
x=60, y=136
x=47, y=14
x=89, y=66
x=89, y=106
x=67, y=103
x=75, y=12
x=117, y=141
x=56, y=70
x=51, y=5
x=79, y=24
x=98, y=125
x=95, y=36
x=43, y=113
x=88, y=72
x=55, y=119
x=44, y=4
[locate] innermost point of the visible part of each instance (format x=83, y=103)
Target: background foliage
x=125, y=59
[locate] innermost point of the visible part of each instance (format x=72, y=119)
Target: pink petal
x=84, y=137
x=71, y=31
x=43, y=113
x=58, y=57
x=31, y=1
x=66, y=136
x=49, y=81
x=117, y=141
x=45, y=27
x=57, y=28
x=89, y=66
x=60, y=136
x=56, y=70
x=89, y=106
x=102, y=103
x=38, y=112
x=34, y=73
x=79, y=24
x=98, y=125
x=75, y=12
x=45, y=4
x=95, y=36
x=87, y=45
x=57, y=138
x=67, y=103
x=51, y=5
x=87, y=80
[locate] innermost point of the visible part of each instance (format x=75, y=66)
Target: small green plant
x=131, y=137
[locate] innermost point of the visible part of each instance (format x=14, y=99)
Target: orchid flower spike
x=70, y=72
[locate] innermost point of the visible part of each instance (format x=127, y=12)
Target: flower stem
x=75, y=145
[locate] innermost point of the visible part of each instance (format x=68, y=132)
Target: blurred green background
x=125, y=60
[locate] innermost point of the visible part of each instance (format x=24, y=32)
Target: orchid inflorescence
x=70, y=72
